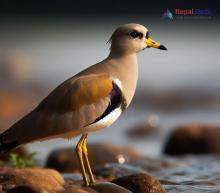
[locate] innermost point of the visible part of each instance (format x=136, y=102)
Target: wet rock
x=140, y=183
x=107, y=187
x=74, y=184
x=112, y=170
x=147, y=128
x=25, y=189
x=45, y=179
x=194, y=139
x=75, y=189
x=65, y=159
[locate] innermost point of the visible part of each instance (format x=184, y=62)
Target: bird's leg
x=85, y=153
x=79, y=153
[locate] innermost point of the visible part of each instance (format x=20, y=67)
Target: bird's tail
x=7, y=146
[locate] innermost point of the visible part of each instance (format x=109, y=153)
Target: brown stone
x=65, y=160
x=74, y=185
x=98, y=187
x=194, y=139
x=107, y=187
x=140, y=183
x=78, y=189
x=144, y=129
x=45, y=179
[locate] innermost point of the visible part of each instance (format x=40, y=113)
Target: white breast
x=105, y=121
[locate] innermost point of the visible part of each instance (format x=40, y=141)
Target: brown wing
x=73, y=105
x=74, y=94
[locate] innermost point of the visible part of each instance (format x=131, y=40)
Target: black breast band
x=116, y=99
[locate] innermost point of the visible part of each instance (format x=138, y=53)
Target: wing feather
x=74, y=94
x=73, y=105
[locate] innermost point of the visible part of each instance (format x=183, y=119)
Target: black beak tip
x=162, y=47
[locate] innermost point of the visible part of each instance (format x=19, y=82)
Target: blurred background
x=42, y=43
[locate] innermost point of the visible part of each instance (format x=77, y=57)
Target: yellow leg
x=88, y=167
x=79, y=152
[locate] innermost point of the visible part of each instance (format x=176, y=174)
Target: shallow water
x=194, y=174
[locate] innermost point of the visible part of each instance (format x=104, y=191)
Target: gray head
x=132, y=38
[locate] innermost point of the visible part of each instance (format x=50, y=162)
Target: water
x=193, y=174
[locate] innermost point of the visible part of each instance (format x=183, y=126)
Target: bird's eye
x=135, y=34
x=147, y=35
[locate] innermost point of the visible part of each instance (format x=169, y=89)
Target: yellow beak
x=154, y=44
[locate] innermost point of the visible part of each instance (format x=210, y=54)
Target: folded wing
x=73, y=105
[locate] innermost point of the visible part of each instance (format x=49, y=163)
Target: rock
x=144, y=129
x=74, y=185
x=107, y=187
x=45, y=179
x=25, y=189
x=65, y=159
x=74, y=182
x=140, y=183
x=75, y=189
x=194, y=139
x=112, y=170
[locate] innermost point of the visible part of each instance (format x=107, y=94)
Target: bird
x=89, y=101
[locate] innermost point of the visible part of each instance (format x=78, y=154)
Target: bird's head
x=132, y=38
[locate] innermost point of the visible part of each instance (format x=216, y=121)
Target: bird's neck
x=124, y=61
x=122, y=53
x=125, y=67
